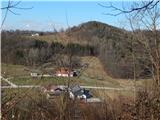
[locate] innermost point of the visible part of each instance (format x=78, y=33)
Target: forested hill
x=93, y=31
x=115, y=48
x=112, y=45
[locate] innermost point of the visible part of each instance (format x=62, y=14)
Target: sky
x=47, y=15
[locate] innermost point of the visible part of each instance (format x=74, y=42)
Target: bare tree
x=11, y=7
x=136, y=7
x=151, y=42
x=142, y=16
x=144, y=20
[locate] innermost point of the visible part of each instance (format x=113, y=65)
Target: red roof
x=63, y=71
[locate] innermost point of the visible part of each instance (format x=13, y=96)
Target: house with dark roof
x=77, y=92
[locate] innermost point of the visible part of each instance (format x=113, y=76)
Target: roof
x=62, y=71
x=49, y=87
x=77, y=90
x=87, y=93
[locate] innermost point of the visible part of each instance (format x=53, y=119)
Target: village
x=75, y=91
x=61, y=72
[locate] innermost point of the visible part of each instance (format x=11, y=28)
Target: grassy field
x=57, y=81
x=40, y=81
x=93, y=74
x=3, y=83
x=96, y=71
x=14, y=70
x=112, y=94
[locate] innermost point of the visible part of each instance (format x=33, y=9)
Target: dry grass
x=112, y=94
x=96, y=71
x=60, y=37
x=34, y=106
x=14, y=70
x=94, y=75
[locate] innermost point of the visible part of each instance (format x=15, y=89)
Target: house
x=65, y=72
x=77, y=92
x=39, y=73
x=52, y=90
x=35, y=34
x=33, y=74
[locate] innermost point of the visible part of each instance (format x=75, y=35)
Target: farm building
x=65, y=72
x=52, y=90
x=35, y=73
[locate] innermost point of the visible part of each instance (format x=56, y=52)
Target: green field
x=93, y=75
x=10, y=70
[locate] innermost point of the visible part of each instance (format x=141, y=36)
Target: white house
x=35, y=34
x=34, y=74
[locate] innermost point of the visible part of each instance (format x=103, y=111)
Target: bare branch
x=6, y=13
x=13, y=12
x=118, y=11
x=9, y=8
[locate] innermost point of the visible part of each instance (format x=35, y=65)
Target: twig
x=9, y=8
x=149, y=5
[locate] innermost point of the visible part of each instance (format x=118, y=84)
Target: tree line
x=17, y=49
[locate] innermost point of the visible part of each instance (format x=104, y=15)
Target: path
x=10, y=83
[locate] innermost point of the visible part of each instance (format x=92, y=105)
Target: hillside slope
x=113, y=46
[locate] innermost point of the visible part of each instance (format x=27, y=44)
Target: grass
x=19, y=104
x=4, y=83
x=60, y=38
x=14, y=70
x=55, y=81
x=93, y=75
x=47, y=38
x=96, y=71
x=38, y=81
x=20, y=96
x=112, y=94
x=90, y=76
x=8, y=93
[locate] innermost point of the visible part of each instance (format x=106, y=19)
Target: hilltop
x=112, y=45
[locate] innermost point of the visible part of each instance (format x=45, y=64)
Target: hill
x=112, y=45
x=91, y=30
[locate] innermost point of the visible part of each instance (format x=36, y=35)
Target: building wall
x=64, y=75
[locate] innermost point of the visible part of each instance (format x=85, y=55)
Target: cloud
x=28, y=25
x=40, y=26
x=35, y=25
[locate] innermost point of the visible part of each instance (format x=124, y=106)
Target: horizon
x=50, y=15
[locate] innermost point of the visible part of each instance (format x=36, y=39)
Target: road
x=86, y=87
x=12, y=85
x=7, y=80
x=105, y=88
x=21, y=86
